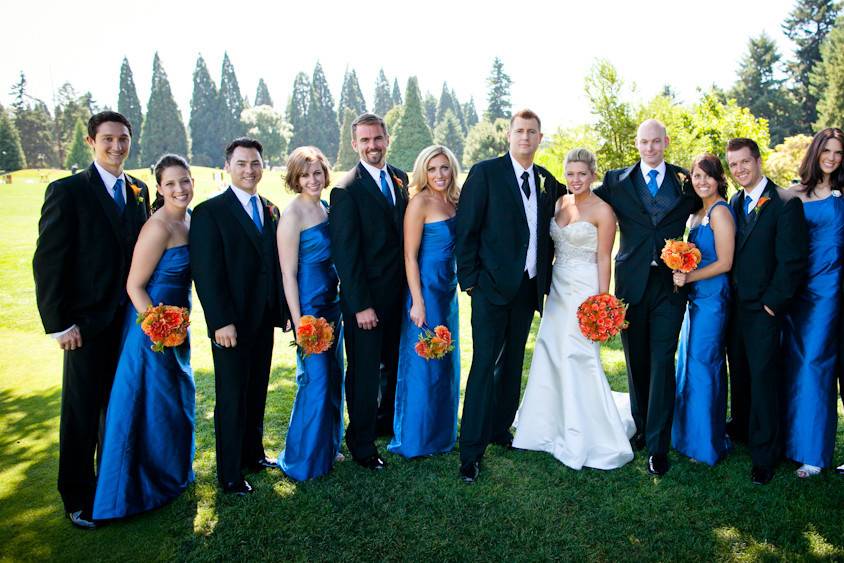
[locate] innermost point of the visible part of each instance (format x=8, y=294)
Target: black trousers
x=649, y=348
x=754, y=355
x=372, y=356
x=86, y=384
x=241, y=377
x=499, y=334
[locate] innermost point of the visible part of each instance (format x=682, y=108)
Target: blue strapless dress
x=700, y=408
x=810, y=335
x=148, y=443
x=428, y=392
x=316, y=423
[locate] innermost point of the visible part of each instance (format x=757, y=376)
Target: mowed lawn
x=526, y=506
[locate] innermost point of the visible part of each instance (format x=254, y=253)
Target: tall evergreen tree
x=231, y=103
x=37, y=134
x=206, y=138
x=164, y=130
x=429, y=106
x=485, y=140
x=449, y=133
x=396, y=94
x=760, y=90
x=412, y=132
x=11, y=151
x=470, y=114
x=498, y=95
x=383, y=99
x=297, y=110
x=445, y=104
x=458, y=112
x=262, y=95
x=828, y=79
x=350, y=95
x=807, y=25
x=78, y=153
x=18, y=93
x=347, y=157
x=268, y=125
x=70, y=108
x=129, y=104
x=323, y=129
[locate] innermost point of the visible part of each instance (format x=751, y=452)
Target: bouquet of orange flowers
x=601, y=317
x=434, y=344
x=680, y=256
x=166, y=325
x=314, y=335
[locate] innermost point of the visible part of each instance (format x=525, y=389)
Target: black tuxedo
x=491, y=251
x=81, y=263
x=366, y=246
x=238, y=280
x=770, y=264
x=655, y=311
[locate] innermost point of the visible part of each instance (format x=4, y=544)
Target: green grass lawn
x=526, y=506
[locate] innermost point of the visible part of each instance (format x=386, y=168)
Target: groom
x=234, y=261
x=504, y=252
x=652, y=201
x=87, y=233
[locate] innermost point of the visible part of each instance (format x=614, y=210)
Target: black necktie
x=525, y=184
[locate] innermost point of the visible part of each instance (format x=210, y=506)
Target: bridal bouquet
x=314, y=335
x=601, y=317
x=680, y=256
x=166, y=325
x=434, y=344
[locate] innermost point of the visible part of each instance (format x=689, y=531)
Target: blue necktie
x=385, y=188
x=118, y=195
x=749, y=202
x=652, y=185
x=256, y=217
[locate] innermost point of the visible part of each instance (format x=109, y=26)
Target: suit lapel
x=95, y=183
x=671, y=176
x=753, y=218
x=245, y=221
x=374, y=190
x=512, y=186
x=628, y=191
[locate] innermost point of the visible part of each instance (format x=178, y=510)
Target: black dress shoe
x=469, y=472
x=658, y=464
x=373, y=462
x=261, y=464
x=505, y=442
x=736, y=433
x=761, y=475
x=840, y=469
x=637, y=442
x=241, y=488
x=82, y=519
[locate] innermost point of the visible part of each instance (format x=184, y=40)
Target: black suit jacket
x=236, y=281
x=492, y=230
x=772, y=249
x=367, y=240
x=638, y=232
x=84, y=251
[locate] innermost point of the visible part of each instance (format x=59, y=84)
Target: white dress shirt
x=755, y=193
x=660, y=173
x=243, y=197
x=376, y=175
x=530, y=204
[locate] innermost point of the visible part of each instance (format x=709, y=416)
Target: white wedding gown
x=569, y=409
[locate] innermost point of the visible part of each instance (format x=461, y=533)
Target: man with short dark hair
x=89, y=225
x=234, y=261
x=772, y=248
x=366, y=227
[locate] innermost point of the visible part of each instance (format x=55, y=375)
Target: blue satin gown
x=148, y=442
x=316, y=423
x=809, y=340
x=428, y=392
x=700, y=407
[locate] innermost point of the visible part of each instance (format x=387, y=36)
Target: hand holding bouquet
x=166, y=325
x=314, y=335
x=434, y=344
x=601, y=317
x=680, y=256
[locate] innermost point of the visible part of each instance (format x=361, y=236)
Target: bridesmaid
x=148, y=441
x=428, y=392
x=700, y=409
x=810, y=329
x=310, y=287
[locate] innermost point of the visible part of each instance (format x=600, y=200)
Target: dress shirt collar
x=376, y=173
x=660, y=171
x=110, y=179
x=756, y=192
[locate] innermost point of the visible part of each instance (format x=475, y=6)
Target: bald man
x=652, y=201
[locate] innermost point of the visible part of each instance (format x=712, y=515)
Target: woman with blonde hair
x=428, y=392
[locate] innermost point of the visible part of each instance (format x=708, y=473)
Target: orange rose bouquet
x=314, y=335
x=434, y=344
x=166, y=325
x=680, y=256
x=601, y=317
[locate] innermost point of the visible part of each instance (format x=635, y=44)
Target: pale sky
x=547, y=47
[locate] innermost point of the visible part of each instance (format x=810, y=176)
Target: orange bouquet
x=314, y=335
x=434, y=344
x=601, y=317
x=680, y=256
x=166, y=325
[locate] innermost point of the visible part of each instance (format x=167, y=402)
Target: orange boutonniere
x=274, y=212
x=137, y=191
x=762, y=201
x=398, y=182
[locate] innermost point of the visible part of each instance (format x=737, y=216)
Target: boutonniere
x=540, y=185
x=762, y=201
x=275, y=214
x=836, y=193
x=705, y=221
x=137, y=191
x=397, y=182
x=682, y=179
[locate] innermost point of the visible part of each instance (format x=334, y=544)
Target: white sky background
x=547, y=47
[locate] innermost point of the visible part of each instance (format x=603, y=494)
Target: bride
x=568, y=409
